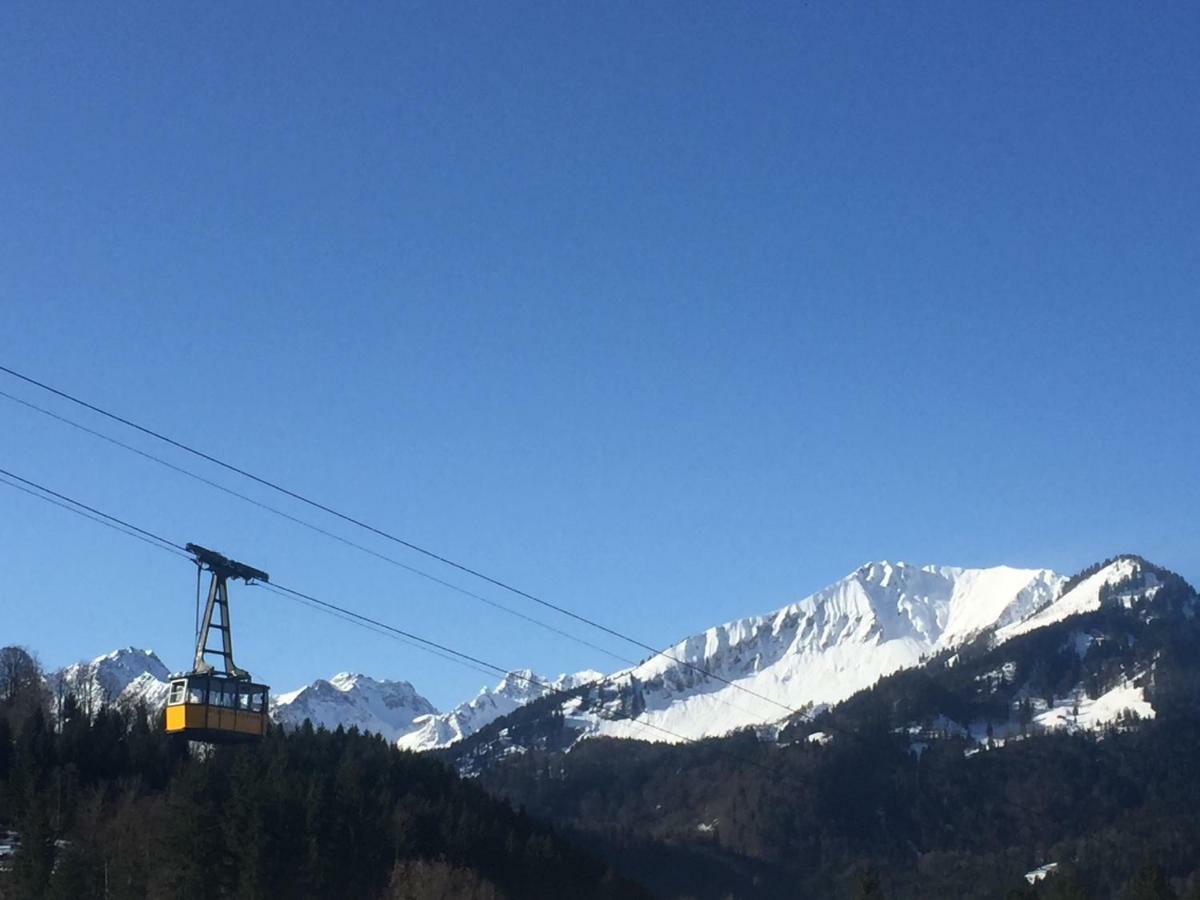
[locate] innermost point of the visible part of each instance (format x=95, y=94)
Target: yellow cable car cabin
x=217, y=709
x=218, y=706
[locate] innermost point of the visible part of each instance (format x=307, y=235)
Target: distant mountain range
x=755, y=671
x=514, y=691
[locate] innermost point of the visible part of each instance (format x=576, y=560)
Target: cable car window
x=196, y=692
x=178, y=690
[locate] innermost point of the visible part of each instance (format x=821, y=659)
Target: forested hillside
x=938, y=781
x=107, y=805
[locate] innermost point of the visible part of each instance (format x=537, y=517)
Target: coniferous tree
x=5, y=748
x=868, y=887
x=35, y=858
x=1150, y=883
x=438, y=880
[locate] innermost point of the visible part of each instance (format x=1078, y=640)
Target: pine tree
x=6, y=740
x=868, y=887
x=1150, y=883
x=438, y=880
x=35, y=858
x=77, y=875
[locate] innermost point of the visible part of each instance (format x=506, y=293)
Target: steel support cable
x=149, y=537
x=392, y=537
x=79, y=512
x=390, y=631
x=440, y=650
x=359, y=617
x=459, y=657
x=491, y=672
x=478, y=665
x=122, y=527
x=475, y=663
x=317, y=529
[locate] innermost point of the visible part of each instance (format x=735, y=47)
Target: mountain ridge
x=807, y=655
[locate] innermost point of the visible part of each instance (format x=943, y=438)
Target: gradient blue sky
x=668, y=312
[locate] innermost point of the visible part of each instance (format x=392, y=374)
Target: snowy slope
x=515, y=690
x=1087, y=596
x=1080, y=712
x=880, y=618
x=123, y=678
x=350, y=700
x=826, y=647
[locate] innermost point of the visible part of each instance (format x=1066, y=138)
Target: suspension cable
x=295, y=495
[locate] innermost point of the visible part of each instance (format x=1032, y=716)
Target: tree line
x=107, y=805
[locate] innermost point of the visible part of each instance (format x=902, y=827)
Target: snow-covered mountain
x=880, y=618
x=826, y=647
x=122, y=678
x=1125, y=580
x=818, y=651
x=514, y=690
x=350, y=700
x=1092, y=659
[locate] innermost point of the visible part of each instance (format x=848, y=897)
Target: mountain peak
x=125, y=677
x=1128, y=576
x=351, y=699
x=514, y=690
x=881, y=617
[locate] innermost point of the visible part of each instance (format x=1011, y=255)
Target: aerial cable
x=439, y=650
x=489, y=668
x=119, y=525
x=472, y=661
x=481, y=665
x=490, y=672
x=392, y=632
x=350, y=616
x=378, y=626
x=347, y=615
x=99, y=521
x=149, y=535
x=317, y=529
x=391, y=537
x=382, y=627
x=447, y=653
x=102, y=518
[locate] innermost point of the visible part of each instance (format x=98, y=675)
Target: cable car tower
x=220, y=703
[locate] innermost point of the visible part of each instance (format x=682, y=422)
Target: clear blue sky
x=668, y=312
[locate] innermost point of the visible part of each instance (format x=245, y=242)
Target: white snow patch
x=1040, y=873
x=1082, y=712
